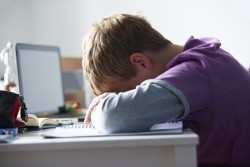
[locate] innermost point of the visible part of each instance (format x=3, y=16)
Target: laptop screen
x=40, y=77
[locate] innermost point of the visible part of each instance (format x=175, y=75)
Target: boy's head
x=107, y=50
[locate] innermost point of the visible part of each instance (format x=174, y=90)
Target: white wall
x=65, y=22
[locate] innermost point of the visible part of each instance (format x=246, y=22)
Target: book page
x=167, y=125
x=46, y=122
x=85, y=130
x=34, y=121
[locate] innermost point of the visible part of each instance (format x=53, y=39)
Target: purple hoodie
x=217, y=89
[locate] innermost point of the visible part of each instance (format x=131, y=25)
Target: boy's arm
x=152, y=102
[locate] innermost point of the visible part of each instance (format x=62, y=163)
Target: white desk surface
x=37, y=142
x=149, y=150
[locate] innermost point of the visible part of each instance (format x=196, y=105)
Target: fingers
x=92, y=106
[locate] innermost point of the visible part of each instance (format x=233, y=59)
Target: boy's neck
x=170, y=52
x=166, y=55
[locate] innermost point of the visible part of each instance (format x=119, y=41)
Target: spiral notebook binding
x=77, y=126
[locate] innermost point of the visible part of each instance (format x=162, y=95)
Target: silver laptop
x=40, y=79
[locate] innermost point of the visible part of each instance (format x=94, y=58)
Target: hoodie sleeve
x=152, y=102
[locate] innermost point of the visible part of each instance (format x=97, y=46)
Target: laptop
x=40, y=80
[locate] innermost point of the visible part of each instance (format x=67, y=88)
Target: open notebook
x=86, y=130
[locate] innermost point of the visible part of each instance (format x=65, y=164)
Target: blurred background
x=66, y=22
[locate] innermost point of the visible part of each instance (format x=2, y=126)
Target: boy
x=156, y=81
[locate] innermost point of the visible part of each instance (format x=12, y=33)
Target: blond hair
x=107, y=49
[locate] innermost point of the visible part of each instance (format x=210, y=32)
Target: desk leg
x=185, y=156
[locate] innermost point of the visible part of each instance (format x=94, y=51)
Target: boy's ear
x=141, y=61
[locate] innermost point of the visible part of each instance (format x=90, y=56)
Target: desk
x=30, y=149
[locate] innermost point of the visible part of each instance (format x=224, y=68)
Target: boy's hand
x=92, y=106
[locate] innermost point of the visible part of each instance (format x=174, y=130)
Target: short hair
x=107, y=48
